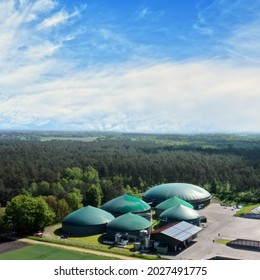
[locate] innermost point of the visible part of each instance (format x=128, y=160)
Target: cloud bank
x=45, y=85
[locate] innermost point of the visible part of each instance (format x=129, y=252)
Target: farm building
x=174, y=236
x=86, y=221
x=179, y=213
x=125, y=204
x=193, y=194
x=128, y=224
x=170, y=202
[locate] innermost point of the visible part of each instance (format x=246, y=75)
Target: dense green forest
x=100, y=166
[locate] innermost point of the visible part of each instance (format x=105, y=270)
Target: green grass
x=222, y=241
x=93, y=239
x=245, y=210
x=44, y=252
x=90, y=242
x=101, y=247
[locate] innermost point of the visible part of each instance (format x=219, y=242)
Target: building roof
x=187, y=192
x=180, y=212
x=87, y=216
x=129, y=222
x=172, y=201
x=179, y=231
x=125, y=204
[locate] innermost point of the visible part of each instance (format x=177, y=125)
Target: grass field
x=43, y=252
x=246, y=209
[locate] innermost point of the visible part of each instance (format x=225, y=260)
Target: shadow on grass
x=59, y=232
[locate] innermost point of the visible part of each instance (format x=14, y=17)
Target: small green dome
x=180, y=213
x=129, y=222
x=88, y=216
x=125, y=204
x=171, y=202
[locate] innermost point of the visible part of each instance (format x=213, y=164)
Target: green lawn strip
x=246, y=209
x=101, y=248
x=222, y=241
x=45, y=252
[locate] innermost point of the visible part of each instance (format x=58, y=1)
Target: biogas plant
x=164, y=220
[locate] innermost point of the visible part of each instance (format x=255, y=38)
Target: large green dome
x=86, y=221
x=125, y=204
x=191, y=193
x=88, y=215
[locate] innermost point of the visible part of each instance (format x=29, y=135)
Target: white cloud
x=40, y=87
x=54, y=20
x=205, y=30
x=44, y=6
x=233, y=27
x=193, y=96
x=144, y=12
x=60, y=17
x=244, y=42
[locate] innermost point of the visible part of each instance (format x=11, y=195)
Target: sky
x=154, y=66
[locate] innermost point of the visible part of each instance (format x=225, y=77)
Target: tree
x=59, y=206
x=4, y=193
x=57, y=190
x=74, y=199
x=91, y=177
x=93, y=196
x=128, y=190
x=42, y=188
x=27, y=214
x=73, y=173
x=2, y=224
x=63, y=210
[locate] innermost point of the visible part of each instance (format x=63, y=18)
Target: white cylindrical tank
x=146, y=242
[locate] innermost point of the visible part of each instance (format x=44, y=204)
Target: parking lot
x=221, y=224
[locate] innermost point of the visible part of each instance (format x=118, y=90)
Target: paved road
x=221, y=221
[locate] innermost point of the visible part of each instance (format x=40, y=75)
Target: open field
x=43, y=252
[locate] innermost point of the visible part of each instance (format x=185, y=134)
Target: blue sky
x=166, y=66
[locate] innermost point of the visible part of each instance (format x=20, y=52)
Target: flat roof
x=180, y=231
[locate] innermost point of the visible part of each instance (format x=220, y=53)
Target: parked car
x=38, y=234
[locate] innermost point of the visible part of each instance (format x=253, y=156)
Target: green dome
x=188, y=192
x=125, y=204
x=129, y=222
x=88, y=216
x=180, y=213
x=171, y=202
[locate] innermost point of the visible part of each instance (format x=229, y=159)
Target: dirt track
x=11, y=246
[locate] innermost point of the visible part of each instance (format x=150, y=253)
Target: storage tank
x=180, y=213
x=193, y=194
x=126, y=204
x=86, y=221
x=128, y=223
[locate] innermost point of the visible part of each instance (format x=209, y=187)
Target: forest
x=101, y=166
